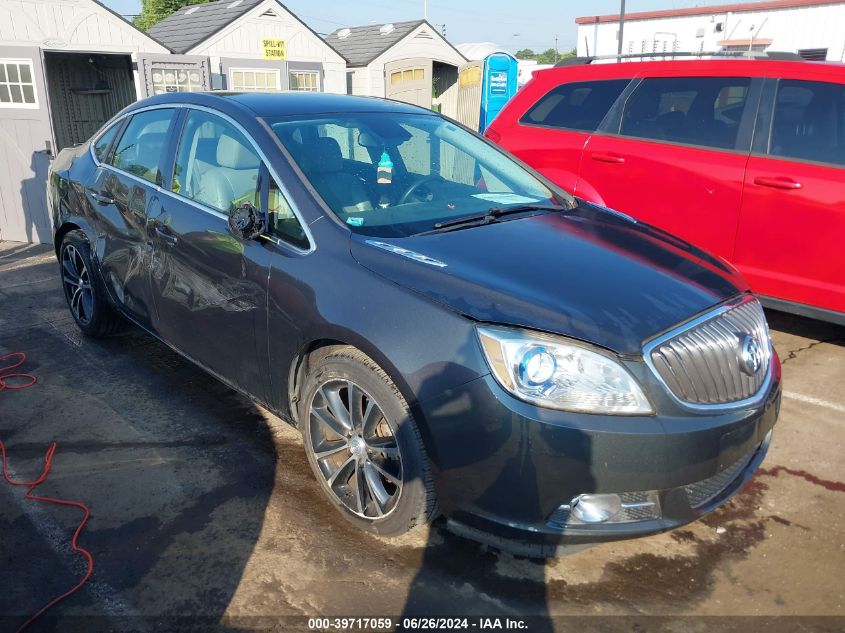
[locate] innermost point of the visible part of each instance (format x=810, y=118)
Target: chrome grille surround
x=701, y=362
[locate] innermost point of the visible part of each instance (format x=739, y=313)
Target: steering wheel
x=419, y=182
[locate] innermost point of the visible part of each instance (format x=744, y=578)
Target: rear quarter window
x=576, y=106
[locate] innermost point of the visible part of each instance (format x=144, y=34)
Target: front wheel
x=363, y=445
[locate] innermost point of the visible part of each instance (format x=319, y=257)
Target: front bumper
x=506, y=470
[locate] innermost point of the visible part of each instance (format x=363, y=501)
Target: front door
x=790, y=239
x=679, y=160
x=211, y=287
x=26, y=146
x=409, y=80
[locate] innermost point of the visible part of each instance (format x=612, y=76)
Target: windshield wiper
x=491, y=215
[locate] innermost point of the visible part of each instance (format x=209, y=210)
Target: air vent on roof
x=342, y=34
x=234, y=4
x=386, y=28
x=423, y=35
x=269, y=13
x=191, y=10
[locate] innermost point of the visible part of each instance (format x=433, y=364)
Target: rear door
x=790, y=239
x=123, y=190
x=550, y=136
x=211, y=287
x=677, y=156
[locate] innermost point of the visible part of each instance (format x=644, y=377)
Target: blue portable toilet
x=484, y=87
x=499, y=85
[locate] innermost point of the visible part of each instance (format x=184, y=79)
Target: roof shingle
x=365, y=43
x=193, y=24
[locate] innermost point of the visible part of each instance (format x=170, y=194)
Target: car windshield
x=394, y=175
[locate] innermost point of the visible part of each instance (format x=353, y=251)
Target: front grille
x=702, y=492
x=705, y=363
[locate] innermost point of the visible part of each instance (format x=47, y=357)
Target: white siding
x=789, y=29
x=415, y=44
x=72, y=25
x=242, y=40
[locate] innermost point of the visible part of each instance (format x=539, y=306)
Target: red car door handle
x=605, y=157
x=777, y=182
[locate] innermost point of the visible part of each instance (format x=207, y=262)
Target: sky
x=512, y=25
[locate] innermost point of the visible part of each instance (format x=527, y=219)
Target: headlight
x=553, y=372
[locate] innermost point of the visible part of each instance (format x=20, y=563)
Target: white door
x=26, y=146
x=409, y=80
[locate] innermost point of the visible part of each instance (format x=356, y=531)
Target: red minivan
x=742, y=157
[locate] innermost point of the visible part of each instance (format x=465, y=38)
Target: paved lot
x=202, y=503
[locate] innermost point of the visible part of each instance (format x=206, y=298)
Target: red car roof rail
x=662, y=56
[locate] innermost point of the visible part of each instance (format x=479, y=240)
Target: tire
x=387, y=459
x=84, y=291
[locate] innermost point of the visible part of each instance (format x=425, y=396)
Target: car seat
x=323, y=164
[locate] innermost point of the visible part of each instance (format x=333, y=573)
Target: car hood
x=589, y=275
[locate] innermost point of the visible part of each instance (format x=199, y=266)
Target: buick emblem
x=750, y=355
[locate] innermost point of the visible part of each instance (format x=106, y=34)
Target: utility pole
x=621, y=26
x=425, y=9
x=555, y=49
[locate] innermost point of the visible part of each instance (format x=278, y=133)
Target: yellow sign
x=273, y=49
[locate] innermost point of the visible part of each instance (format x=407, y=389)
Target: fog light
x=595, y=508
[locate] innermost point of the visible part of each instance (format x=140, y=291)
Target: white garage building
x=815, y=29
x=407, y=61
x=66, y=67
x=254, y=45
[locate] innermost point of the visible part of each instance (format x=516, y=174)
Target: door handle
x=777, y=182
x=165, y=235
x=100, y=197
x=607, y=157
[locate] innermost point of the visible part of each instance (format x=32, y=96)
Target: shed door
x=25, y=146
x=409, y=80
x=173, y=73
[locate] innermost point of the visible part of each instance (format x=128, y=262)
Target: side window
x=703, y=111
x=102, y=144
x=141, y=147
x=576, y=106
x=215, y=164
x=283, y=223
x=809, y=122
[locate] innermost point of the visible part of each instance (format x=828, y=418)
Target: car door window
x=216, y=164
x=102, y=144
x=809, y=122
x=704, y=111
x=576, y=106
x=141, y=148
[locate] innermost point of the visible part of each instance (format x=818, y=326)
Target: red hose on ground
x=22, y=382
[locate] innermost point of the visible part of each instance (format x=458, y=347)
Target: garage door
x=409, y=80
x=25, y=146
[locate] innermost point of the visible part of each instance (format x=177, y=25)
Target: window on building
x=255, y=80
x=216, y=165
x=17, y=86
x=702, y=111
x=305, y=80
x=141, y=147
x=576, y=106
x=408, y=74
x=176, y=80
x=809, y=122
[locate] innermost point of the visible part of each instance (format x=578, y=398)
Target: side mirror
x=246, y=222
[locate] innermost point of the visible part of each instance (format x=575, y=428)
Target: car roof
x=286, y=103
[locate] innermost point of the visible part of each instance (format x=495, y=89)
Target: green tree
x=154, y=11
x=525, y=53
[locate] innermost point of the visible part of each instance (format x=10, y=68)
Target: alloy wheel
x=355, y=449
x=77, y=284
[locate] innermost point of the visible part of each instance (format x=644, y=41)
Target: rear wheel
x=84, y=292
x=364, y=446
